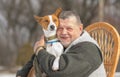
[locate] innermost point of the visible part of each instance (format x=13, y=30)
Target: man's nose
x=64, y=31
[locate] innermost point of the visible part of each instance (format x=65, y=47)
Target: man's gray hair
x=67, y=14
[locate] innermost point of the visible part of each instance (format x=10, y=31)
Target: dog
x=49, y=24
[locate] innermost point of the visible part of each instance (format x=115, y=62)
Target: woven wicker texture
x=109, y=41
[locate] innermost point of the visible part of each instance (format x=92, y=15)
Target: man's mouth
x=64, y=38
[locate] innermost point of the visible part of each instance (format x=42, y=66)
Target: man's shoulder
x=85, y=44
x=87, y=48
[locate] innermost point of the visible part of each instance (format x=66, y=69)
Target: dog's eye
x=46, y=21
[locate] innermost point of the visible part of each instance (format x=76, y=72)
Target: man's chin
x=65, y=44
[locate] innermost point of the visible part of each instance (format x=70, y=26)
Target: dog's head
x=49, y=23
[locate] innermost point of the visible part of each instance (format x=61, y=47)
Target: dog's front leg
x=55, y=66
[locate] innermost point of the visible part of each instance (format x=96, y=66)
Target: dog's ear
x=58, y=11
x=37, y=18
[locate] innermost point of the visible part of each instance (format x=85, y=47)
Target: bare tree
x=19, y=17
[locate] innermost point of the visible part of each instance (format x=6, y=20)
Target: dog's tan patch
x=44, y=22
x=55, y=20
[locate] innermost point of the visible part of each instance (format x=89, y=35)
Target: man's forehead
x=70, y=18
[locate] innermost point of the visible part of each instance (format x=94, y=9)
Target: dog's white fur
x=53, y=46
x=49, y=32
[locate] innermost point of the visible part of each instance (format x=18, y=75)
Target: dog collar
x=51, y=42
x=51, y=37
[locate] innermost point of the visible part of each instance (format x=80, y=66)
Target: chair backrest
x=108, y=39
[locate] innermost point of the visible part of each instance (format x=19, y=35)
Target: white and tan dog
x=49, y=25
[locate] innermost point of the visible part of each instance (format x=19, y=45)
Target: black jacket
x=80, y=61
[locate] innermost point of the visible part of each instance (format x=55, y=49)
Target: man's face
x=68, y=31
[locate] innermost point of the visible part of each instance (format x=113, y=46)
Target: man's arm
x=81, y=60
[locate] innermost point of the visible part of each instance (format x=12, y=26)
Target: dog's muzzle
x=52, y=27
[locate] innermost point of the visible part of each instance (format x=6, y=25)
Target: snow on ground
x=117, y=74
x=14, y=75
x=7, y=75
x=5, y=72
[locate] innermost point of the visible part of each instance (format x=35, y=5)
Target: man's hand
x=39, y=44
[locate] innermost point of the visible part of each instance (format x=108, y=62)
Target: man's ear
x=37, y=18
x=81, y=27
x=58, y=11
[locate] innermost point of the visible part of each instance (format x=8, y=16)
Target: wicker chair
x=31, y=72
x=109, y=41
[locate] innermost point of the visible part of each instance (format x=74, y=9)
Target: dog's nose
x=52, y=27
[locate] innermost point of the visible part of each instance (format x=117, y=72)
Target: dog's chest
x=55, y=49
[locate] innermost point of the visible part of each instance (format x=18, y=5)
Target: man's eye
x=69, y=29
x=60, y=29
